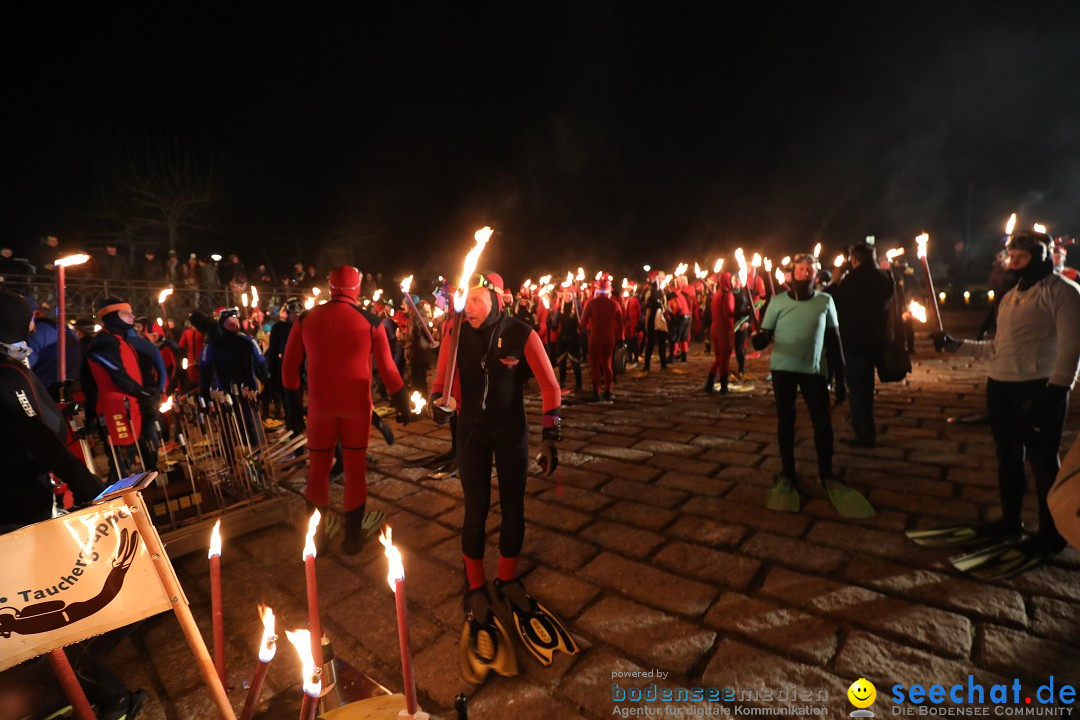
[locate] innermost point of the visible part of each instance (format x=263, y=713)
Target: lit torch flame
x=699, y=273
x=393, y=557
x=183, y=363
x=755, y=262
x=817, y=250
x=376, y=295
x=268, y=644
x=418, y=402
x=309, y=540
x=718, y=265
x=163, y=294
x=244, y=299
x=569, y=279
x=70, y=260
x=316, y=291
x=917, y=311
x=1010, y=225
x=309, y=303
x=406, y=285
x=838, y=261
x=481, y=237
x=740, y=259
x=580, y=274
x=215, y=540
x=779, y=276
x=1039, y=228
x=545, y=280
x=920, y=242
x=254, y=297
x=680, y=270
x=301, y=641
x=768, y=265
x=894, y=253
x=786, y=261
x=167, y=405
x=599, y=275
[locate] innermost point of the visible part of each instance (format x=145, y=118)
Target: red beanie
x=345, y=280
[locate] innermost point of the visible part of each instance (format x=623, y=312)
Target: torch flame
x=183, y=363
x=599, y=274
x=70, y=260
x=699, y=273
x=779, y=276
x=839, y=260
x=393, y=556
x=481, y=237
x=243, y=299
x=817, y=250
x=917, y=311
x=437, y=313
x=418, y=402
x=718, y=265
x=301, y=641
x=268, y=644
x=768, y=265
x=786, y=261
x=254, y=296
x=309, y=540
x=756, y=261
x=894, y=253
x=376, y=295
x=921, y=243
x=215, y=540
x=741, y=260
x=547, y=303
x=316, y=291
x=1039, y=228
x=580, y=274
x=1011, y=224
x=309, y=303
x=164, y=294
x=167, y=405
x=680, y=270
x=569, y=279
x=406, y=285
x=545, y=280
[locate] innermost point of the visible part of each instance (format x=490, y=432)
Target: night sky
x=610, y=133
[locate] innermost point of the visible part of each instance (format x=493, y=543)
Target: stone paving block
x=673, y=462
x=658, y=639
x=519, y=701
x=715, y=566
x=652, y=444
x=732, y=457
x=556, y=549
x=649, y=494
x=936, y=507
x=589, y=686
x=638, y=515
x=627, y=471
x=620, y=440
x=973, y=599
x=428, y=504
x=554, y=516
x=785, y=630
x=740, y=666
x=943, y=633
x=727, y=511
x=565, y=593
x=891, y=545
x=649, y=585
x=1017, y=654
x=583, y=477
x=415, y=531
x=1056, y=619
x=706, y=532
x=793, y=553
x=622, y=539
x=1049, y=580
x=694, y=484
x=577, y=498
x=616, y=453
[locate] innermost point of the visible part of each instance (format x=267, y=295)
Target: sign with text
x=72, y=578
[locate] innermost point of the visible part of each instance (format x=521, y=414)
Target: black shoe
x=595, y=397
x=607, y=396
x=710, y=382
x=355, y=537
x=724, y=384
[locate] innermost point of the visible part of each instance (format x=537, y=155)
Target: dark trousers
x=815, y=391
x=740, y=349
x=512, y=466
x=1025, y=424
x=569, y=350
x=859, y=371
x=656, y=338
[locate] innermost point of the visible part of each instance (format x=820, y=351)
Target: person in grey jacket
x=1033, y=366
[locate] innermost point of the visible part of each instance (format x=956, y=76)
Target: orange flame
x=393, y=556
x=921, y=242
x=417, y=401
x=164, y=294
x=215, y=540
x=268, y=644
x=917, y=311
x=309, y=540
x=301, y=641
x=406, y=285
x=481, y=237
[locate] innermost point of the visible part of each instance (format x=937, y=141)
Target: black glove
x=59, y=389
x=439, y=412
x=400, y=402
x=548, y=457
x=761, y=340
x=946, y=342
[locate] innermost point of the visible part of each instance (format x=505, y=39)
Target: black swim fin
x=1008, y=559
x=540, y=630
x=485, y=644
x=961, y=535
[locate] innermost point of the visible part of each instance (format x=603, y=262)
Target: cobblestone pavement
x=660, y=556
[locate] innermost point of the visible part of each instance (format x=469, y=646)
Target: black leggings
x=740, y=348
x=815, y=392
x=1024, y=423
x=656, y=338
x=569, y=349
x=512, y=467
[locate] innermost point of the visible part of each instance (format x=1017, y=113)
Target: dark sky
x=610, y=132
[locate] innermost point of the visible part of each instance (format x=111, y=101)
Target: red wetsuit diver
x=603, y=319
x=338, y=339
x=487, y=390
x=721, y=333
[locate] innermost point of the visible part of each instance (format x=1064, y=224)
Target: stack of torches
x=308, y=643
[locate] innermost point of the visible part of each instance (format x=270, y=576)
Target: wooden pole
x=61, y=667
x=180, y=607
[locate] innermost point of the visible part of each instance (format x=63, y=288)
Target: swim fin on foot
x=850, y=503
x=485, y=643
x=783, y=496
x=540, y=630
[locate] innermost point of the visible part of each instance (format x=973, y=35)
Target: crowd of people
x=318, y=358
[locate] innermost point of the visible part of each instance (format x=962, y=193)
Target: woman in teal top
x=801, y=324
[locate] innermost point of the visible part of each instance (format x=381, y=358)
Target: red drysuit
x=338, y=340
x=603, y=319
x=722, y=329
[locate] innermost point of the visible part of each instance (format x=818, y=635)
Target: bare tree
x=157, y=192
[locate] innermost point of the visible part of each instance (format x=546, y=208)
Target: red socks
x=474, y=570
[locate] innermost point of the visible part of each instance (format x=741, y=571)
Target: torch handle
x=933, y=295
x=419, y=318
x=61, y=667
x=254, y=691
x=403, y=642
x=217, y=616
x=448, y=379
x=314, y=619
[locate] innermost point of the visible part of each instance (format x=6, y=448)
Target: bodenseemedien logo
x=862, y=694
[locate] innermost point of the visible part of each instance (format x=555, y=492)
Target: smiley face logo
x=862, y=693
